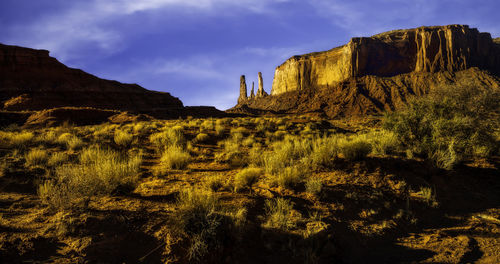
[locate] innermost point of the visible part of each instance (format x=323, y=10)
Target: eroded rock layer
x=32, y=80
x=377, y=73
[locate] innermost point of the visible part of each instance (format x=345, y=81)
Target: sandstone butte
x=369, y=75
x=31, y=80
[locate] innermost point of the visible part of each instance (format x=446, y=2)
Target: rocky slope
x=32, y=80
x=377, y=73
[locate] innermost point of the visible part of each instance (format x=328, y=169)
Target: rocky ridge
x=373, y=74
x=31, y=80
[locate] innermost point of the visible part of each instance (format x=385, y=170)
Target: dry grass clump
x=314, y=185
x=36, y=157
x=71, y=141
x=167, y=138
x=16, y=139
x=354, y=149
x=57, y=158
x=289, y=177
x=232, y=152
x=383, y=142
x=123, y=138
x=199, y=220
x=174, y=157
x=280, y=214
x=100, y=172
x=201, y=137
x=216, y=182
x=324, y=151
x=246, y=178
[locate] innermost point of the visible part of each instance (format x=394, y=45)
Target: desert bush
x=314, y=185
x=173, y=157
x=165, y=139
x=36, y=157
x=198, y=218
x=123, y=138
x=354, y=149
x=448, y=125
x=246, y=178
x=100, y=172
x=279, y=213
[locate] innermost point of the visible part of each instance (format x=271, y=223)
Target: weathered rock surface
x=32, y=80
x=369, y=75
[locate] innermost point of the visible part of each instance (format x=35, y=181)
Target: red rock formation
x=380, y=72
x=32, y=80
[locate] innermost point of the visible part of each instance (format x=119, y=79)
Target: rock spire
x=243, y=90
x=261, y=92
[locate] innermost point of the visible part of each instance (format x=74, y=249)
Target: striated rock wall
x=32, y=80
x=425, y=49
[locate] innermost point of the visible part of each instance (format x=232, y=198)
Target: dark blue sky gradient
x=197, y=49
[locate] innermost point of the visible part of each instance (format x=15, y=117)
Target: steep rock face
x=366, y=95
x=426, y=49
x=32, y=80
x=379, y=73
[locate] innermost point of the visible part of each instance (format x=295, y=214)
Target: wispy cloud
x=363, y=18
x=199, y=67
x=87, y=23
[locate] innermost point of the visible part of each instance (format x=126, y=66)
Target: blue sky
x=197, y=49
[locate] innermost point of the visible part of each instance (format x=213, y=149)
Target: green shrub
x=279, y=214
x=448, y=125
x=246, y=178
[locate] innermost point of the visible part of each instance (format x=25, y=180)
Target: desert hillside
x=386, y=150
